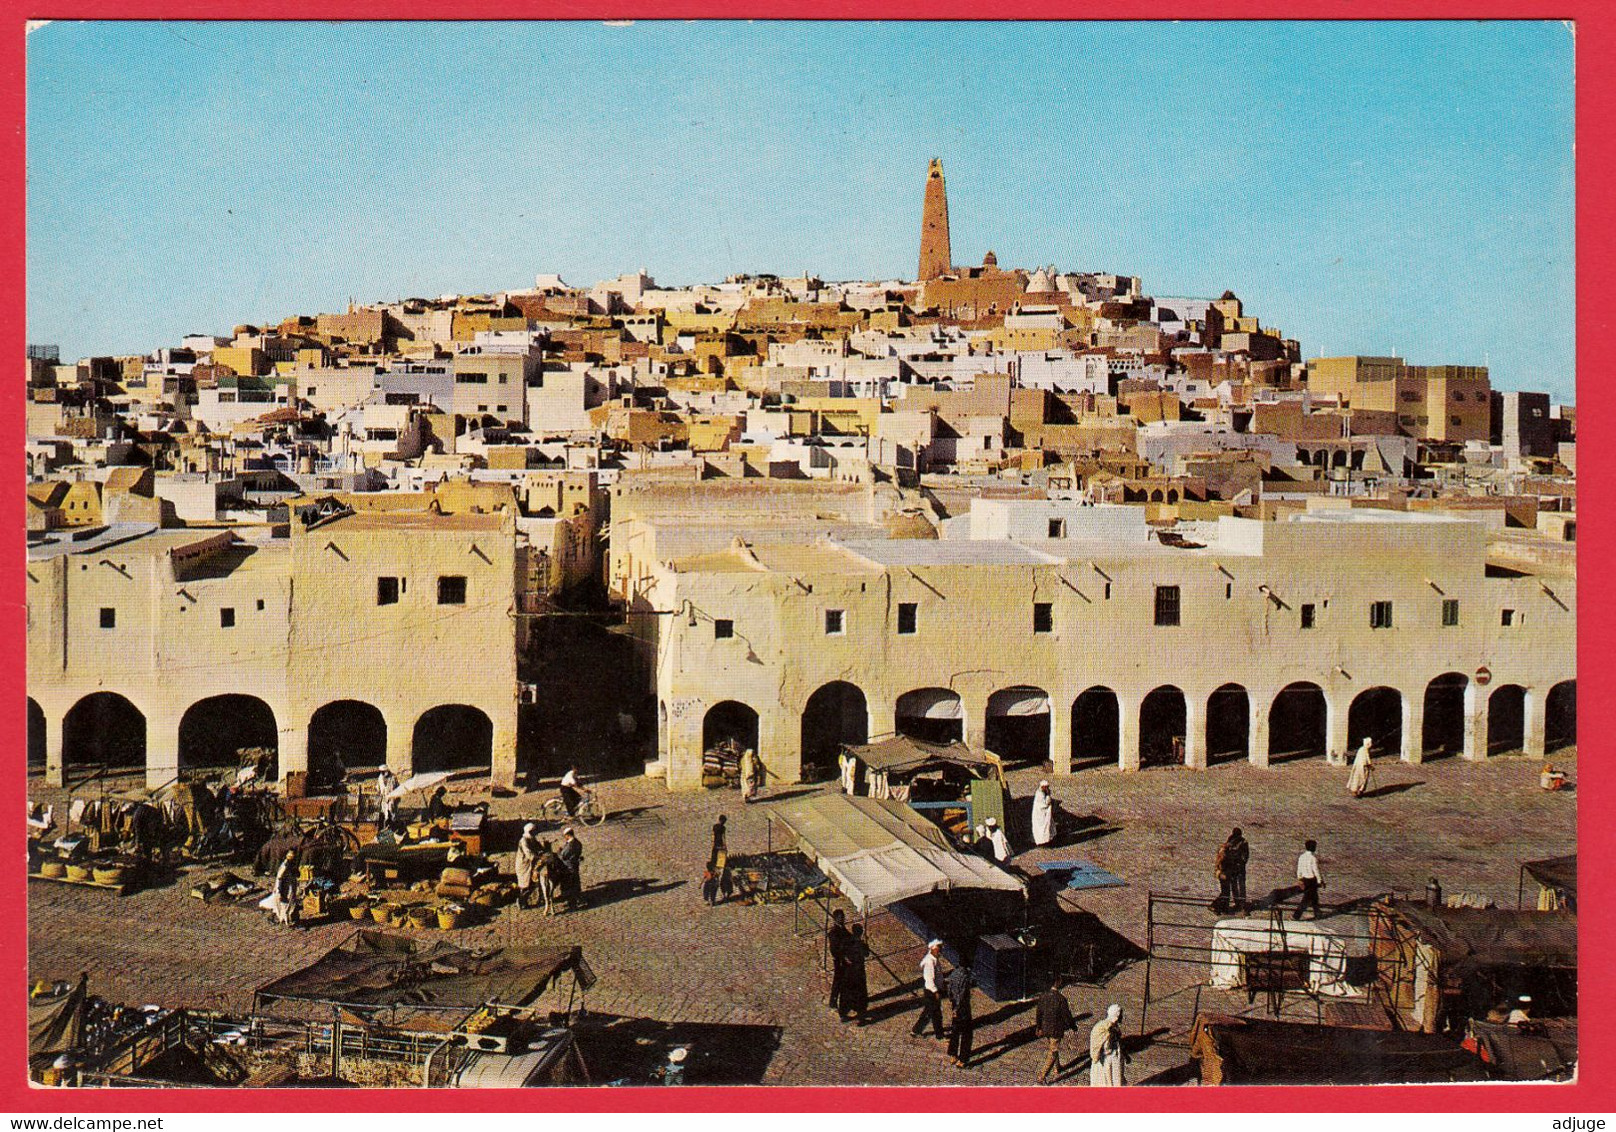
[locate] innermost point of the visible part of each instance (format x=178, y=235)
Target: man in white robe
x=1362, y=771
x=1105, y=1049
x=1043, y=815
x=527, y=865
x=1001, y=843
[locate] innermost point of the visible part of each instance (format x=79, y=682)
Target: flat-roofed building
x=1090, y=638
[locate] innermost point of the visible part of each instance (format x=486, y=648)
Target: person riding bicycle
x=570, y=794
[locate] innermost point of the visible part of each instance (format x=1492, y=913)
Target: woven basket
x=383, y=913
x=359, y=911
x=53, y=868
x=420, y=917
x=113, y=875
x=448, y=920
x=78, y=872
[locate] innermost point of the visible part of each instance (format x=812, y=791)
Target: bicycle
x=590, y=811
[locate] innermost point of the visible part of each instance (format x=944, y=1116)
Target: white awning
x=880, y=852
x=1019, y=702
x=931, y=703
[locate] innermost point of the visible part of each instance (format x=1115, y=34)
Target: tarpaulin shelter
x=375, y=972
x=932, y=776
x=1441, y=965
x=880, y=851
x=1328, y=946
x=1542, y=1050
x=1261, y=1051
x=1557, y=883
x=56, y=1021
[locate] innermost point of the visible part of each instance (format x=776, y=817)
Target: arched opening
x=1560, y=716
x=1018, y=725
x=1298, y=723
x=836, y=714
x=1156, y=496
x=104, y=730
x=346, y=735
x=1340, y=458
x=1228, y=725
x=1506, y=719
x=934, y=715
x=1378, y=714
x=214, y=732
x=1096, y=729
x=1443, y=734
x=730, y=722
x=36, y=735
x=1162, y=727
x=452, y=737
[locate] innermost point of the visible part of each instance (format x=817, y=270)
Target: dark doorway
x=452, y=737
x=1096, y=729
x=1560, y=716
x=36, y=736
x=933, y=715
x=1443, y=733
x=104, y=730
x=1298, y=723
x=1228, y=725
x=1162, y=728
x=1018, y=726
x=733, y=722
x=1506, y=719
x=1377, y=713
x=836, y=714
x=214, y=731
x=347, y=735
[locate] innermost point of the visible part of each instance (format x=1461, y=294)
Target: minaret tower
x=936, y=258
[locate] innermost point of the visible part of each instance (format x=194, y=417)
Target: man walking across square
x=931, y=991
x=1307, y=874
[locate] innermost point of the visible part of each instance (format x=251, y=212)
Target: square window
x=1108, y=591
x=109, y=618
x=1057, y=528
x=908, y=617
x=1380, y=615
x=1450, y=612
x=1307, y=615
x=227, y=618
x=1507, y=619
x=452, y=589
x=1043, y=617
x=723, y=629
x=1167, y=612
x=386, y=591
x=260, y=605
x=833, y=622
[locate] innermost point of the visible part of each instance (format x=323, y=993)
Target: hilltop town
x=677, y=540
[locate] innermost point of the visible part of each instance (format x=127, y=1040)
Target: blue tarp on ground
x=1083, y=874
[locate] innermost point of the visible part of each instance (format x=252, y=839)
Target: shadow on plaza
x=627, y=1051
x=625, y=888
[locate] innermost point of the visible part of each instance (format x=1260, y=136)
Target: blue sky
x=1364, y=187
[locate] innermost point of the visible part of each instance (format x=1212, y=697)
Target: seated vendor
x=1551, y=779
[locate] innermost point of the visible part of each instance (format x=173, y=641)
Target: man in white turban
x=1105, y=1049
x=1043, y=814
x=1001, y=843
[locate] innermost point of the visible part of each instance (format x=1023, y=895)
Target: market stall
x=1556, y=880
x=1261, y=1051
x=957, y=786
x=1244, y=948
x=1438, y=967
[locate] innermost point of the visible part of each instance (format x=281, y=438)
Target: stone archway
x=1444, y=730
x=730, y=721
x=104, y=730
x=1228, y=725
x=1163, y=727
x=214, y=731
x=933, y=715
x=37, y=753
x=1298, y=723
x=1096, y=729
x=1506, y=719
x=1560, y=716
x=347, y=735
x=452, y=737
x=836, y=714
x=1378, y=714
x=1018, y=725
